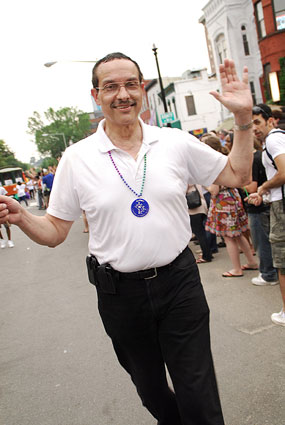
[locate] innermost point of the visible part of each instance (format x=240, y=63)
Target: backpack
x=274, y=165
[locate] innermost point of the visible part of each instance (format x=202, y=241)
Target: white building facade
x=231, y=32
x=188, y=99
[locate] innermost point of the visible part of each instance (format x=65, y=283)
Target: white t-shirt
x=87, y=180
x=275, y=144
x=21, y=189
x=30, y=184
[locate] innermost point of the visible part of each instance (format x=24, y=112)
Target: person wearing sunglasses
x=130, y=179
x=273, y=159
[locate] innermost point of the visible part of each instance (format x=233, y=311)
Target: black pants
x=198, y=226
x=161, y=321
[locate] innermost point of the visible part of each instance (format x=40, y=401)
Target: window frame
x=259, y=21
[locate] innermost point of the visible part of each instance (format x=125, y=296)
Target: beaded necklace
x=140, y=206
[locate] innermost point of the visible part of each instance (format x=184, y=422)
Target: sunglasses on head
x=257, y=110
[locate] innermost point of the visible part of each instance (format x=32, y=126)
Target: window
x=191, y=110
x=279, y=12
x=244, y=40
x=260, y=19
x=221, y=48
x=252, y=89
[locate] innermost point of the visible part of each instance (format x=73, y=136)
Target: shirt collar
x=150, y=135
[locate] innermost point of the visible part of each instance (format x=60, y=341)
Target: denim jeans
x=259, y=228
x=165, y=321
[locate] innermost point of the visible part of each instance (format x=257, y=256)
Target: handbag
x=193, y=199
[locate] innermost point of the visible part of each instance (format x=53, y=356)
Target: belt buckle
x=152, y=277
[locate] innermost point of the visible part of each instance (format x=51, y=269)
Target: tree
x=73, y=123
x=282, y=80
x=7, y=157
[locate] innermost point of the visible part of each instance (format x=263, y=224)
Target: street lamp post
x=154, y=49
x=49, y=64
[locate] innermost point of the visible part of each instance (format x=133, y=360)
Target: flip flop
x=246, y=267
x=201, y=261
x=229, y=274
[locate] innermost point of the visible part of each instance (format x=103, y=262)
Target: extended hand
x=10, y=210
x=236, y=95
x=254, y=199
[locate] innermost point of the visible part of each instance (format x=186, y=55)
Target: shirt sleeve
x=203, y=162
x=275, y=144
x=64, y=200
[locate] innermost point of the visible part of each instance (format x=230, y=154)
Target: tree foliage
x=7, y=157
x=48, y=132
x=282, y=80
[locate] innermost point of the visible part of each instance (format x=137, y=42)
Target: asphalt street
x=57, y=366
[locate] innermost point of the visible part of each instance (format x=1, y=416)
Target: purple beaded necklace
x=139, y=207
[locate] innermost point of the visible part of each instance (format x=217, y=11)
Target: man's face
x=261, y=127
x=122, y=106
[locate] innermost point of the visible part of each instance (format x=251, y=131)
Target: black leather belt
x=149, y=273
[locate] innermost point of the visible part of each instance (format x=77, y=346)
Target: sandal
x=201, y=261
x=229, y=274
x=247, y=267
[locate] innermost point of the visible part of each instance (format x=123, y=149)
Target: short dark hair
x=263, y=110
x=277, y=113
x=108, y=58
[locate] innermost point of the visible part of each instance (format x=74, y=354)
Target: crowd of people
x=239, y=216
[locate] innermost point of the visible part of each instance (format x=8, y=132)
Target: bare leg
x=8, y=231
x=247, y=251
x=233, y=251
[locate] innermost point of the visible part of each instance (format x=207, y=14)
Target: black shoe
x=222, y=245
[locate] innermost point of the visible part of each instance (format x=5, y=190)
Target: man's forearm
x=241, y=155
x=44, y=230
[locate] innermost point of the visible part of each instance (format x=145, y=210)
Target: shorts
x=277, y=234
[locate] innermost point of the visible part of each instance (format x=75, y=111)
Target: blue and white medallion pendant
x=140, y=207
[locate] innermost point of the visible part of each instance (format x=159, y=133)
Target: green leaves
x=7, y=157
x=58, y=128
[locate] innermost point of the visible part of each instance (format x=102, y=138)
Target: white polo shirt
x=275, y=144
x=87, y=180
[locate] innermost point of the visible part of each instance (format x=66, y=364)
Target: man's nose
x=123, y=92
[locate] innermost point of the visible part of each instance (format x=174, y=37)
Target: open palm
x=236, y=95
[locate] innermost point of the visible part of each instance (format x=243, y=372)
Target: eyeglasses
x=114, y=88
x=257, y=110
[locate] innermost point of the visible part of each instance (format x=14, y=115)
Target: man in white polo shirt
x=131, y=180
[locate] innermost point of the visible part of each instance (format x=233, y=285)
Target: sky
x=34, y=32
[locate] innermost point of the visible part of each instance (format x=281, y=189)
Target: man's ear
x=94, y=94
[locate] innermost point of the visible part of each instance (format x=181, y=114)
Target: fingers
x=4, y=212
x=228, y=72
x=215, y=94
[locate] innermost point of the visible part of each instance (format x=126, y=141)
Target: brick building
x=270, y=24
